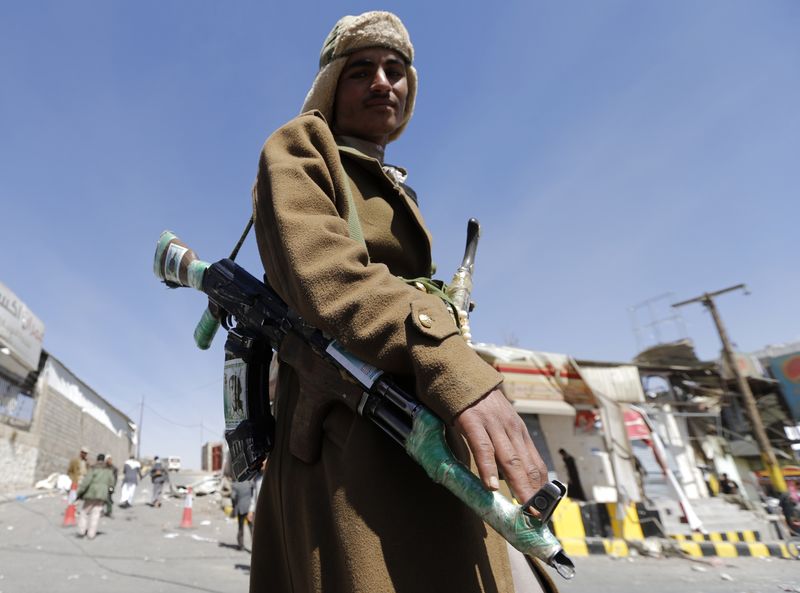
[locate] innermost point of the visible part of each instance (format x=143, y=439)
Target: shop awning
x=537, y=376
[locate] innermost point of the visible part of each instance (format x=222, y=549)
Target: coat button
x=425, y=320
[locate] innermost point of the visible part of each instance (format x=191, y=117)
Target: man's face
x=371, y=95
x=83, y=454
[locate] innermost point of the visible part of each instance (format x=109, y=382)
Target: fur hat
x=349, y=35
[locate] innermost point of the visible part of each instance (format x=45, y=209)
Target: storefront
x=562, y=416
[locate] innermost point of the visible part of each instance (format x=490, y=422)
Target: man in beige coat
x=343, y=508
x=78, y=466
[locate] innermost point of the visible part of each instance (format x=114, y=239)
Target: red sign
x=636, y=426
x=791, y=369
x=585, y=421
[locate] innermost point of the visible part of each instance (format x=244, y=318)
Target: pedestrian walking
x=93, y=491
x=257, y=481
x=158, y=475
x=131, y=474
x=575, y=488
x=78, y=466
x=110, y=501
x=242, y=497
x=727, y=486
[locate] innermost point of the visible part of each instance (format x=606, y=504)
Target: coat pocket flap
x=431, y=318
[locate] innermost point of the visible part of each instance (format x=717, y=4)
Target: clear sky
x=613, y=151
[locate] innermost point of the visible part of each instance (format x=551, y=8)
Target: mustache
x=381, y=99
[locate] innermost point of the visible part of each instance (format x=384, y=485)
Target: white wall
x=18, y=455
x=674, y=432
x=589, y=451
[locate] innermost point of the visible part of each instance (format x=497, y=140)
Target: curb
x=23, y=495
x=696, y=549
x=591, y=546
x=750, y=537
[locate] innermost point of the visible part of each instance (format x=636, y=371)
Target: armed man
x=342, y=240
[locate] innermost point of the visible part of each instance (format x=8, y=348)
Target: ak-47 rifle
x=257, y=319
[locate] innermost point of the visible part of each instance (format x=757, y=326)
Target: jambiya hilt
x=460, y=287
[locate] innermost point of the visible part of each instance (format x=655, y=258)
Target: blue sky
x=612, y=150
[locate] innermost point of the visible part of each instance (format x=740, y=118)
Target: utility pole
x=139, y=439
x=767, y=454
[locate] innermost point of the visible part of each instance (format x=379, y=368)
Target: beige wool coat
x=342, y=507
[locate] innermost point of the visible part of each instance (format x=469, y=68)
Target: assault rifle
x=257, y=320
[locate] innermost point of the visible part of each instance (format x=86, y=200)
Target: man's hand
x=496, y=435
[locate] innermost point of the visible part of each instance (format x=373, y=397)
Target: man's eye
x=395, y=74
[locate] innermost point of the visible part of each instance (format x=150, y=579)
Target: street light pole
x=767, y=454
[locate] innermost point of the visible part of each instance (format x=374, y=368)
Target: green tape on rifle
x=205, y=330
x=427, y=445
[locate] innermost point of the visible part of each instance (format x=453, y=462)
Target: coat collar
x=365, y=147
x=407, y=195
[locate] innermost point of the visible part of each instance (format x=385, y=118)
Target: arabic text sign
x=20, y=330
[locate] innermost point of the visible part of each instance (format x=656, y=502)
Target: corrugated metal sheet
x=530, y=375
x=618, y=383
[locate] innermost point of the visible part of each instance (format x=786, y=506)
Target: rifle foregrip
x=206, y=330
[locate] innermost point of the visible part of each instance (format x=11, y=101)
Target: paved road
x=143, y=550
x=604, y=574
x=140, y=549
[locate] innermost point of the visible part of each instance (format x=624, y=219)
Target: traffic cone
x=186, y=521
x=69, y=514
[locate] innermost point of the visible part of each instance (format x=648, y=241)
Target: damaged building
x=644, y=443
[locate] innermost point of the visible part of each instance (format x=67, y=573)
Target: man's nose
x=380, y=82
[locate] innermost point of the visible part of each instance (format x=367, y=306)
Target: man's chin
x=385, y=125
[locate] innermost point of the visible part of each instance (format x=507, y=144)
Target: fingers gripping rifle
x=260, y=315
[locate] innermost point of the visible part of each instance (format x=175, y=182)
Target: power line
x=202, y=425
x=169, y=420
x=209, y=384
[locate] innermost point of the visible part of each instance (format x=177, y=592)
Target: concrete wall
x=70, y=415
x=18, y=456
x=58, y=424
x=67, y=415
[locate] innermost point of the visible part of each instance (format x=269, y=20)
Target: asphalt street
x=606, y=574
x=139, y=549
x=144, y=549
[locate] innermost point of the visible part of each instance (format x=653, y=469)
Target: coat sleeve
x=84, y=485
x=300, y=218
